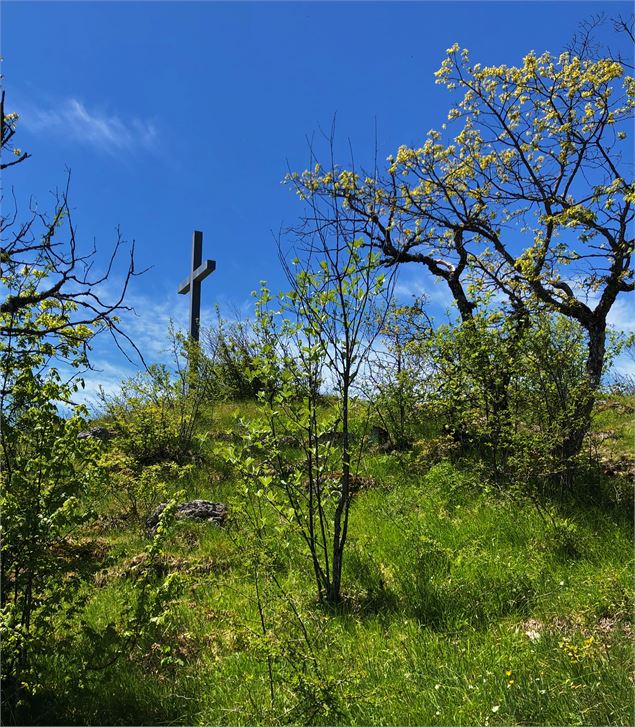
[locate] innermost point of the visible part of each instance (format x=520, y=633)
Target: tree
x=51, y=291
x=47, y=475
x=7, y=132
x=331, y=297
x=586, y=44
x=312, y=352
x=50, y=309
x=532, y=198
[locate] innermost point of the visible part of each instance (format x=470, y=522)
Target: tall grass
x=462, y=606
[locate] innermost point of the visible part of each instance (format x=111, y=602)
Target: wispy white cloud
x=105, y=377
x=74, y=122
x=435, y=291
x=147, y=325
x=622, y=318
x=622, y=315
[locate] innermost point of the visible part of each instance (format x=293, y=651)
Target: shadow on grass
x=123, y=696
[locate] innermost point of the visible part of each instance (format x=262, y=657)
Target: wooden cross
x=192, y=284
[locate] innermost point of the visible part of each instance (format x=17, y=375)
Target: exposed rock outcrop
x=214, y=513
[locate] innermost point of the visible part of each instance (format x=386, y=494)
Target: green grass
x=613, y=418
x=462, y=606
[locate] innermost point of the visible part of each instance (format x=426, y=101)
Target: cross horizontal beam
x=201, y=272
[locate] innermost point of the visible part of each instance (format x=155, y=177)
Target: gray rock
x=214, y=513
x=289, y=440
x=378, y=435
x=102, y=433
x=335, y=438
x=225, y=437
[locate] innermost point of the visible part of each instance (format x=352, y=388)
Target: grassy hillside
x=463, y=604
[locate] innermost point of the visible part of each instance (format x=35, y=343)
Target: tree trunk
x=585, y=399
x=340, y=519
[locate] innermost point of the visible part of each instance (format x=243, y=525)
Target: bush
x=398, y=375
x=564, y=539
x=156, y=412
x=233, y=349
x=136, y=491
x=49, y=477
x=508, y=391
x=153, y=417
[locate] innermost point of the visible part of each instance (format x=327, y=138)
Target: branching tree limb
x=533, y=198
x=51, y=292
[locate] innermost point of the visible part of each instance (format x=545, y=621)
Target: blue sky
x=182, y=116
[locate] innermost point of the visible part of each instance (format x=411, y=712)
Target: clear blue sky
x=176, y=116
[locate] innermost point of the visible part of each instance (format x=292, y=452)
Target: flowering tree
x=533, y=198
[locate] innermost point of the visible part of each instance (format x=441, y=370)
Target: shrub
x=135, y=490
x=48, y=477
x=397, y=377
x=232, y=349
x=156, y=412
x=564, y=539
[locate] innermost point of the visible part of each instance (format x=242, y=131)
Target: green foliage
x=466, y=596
x=145, y=616
x=446, y=582
x=136, y=490
x=322, y=334
x=398, y=374
x=47, y=473
x=152, y=416
x=155, y=413
x=531, y=191
x=564, y=538
x=475, y=364
x=232, y=349
x=285, y=635
x=48, y=477
x=509, y=391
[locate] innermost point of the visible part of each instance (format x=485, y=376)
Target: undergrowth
x=462, y=604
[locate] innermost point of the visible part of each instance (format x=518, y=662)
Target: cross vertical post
x=195, y=293
x=192, y=284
